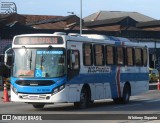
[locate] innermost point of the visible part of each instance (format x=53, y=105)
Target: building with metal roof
x=150, y=25
x=70, y=22
x=102, y=15
x=37, y=18
x=113, y=24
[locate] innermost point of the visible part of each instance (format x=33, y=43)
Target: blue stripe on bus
x=38, y=89
x=109, y=78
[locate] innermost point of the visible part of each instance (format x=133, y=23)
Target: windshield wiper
x=29, y=58
x=42, y=60
x=44, y=56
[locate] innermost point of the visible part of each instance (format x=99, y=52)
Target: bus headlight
x=14, y=90
x=61, y=87
x=56, y=90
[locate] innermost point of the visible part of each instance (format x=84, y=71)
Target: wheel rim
x=127, y=94
x=83, y=98
x=127, y=97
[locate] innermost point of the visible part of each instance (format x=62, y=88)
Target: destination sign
x=38, y=40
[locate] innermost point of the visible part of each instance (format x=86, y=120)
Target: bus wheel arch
x=85, y=97
x=126, y=92
x=124, y=99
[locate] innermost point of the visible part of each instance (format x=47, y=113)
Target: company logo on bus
x=38, y=40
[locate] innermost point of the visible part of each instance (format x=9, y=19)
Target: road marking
x=145, y=101
x=150, y=101
x=127, y=106
x=153, y=84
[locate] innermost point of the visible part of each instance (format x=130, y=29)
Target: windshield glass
x=39, y=62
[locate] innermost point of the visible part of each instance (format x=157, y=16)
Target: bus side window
x=145, y=57
x=138, y=56
x=110, y=51
x=120, y=56
x=87, y=55
x=129, y=56
x=99, y=55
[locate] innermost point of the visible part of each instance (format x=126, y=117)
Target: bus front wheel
x=38, y=106
x=84, y=99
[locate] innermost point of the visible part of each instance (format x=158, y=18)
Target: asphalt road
x=147, y=104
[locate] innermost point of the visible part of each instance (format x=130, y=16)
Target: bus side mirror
x=71, y=59
x=8, y=53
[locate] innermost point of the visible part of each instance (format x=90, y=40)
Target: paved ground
x=147, y=103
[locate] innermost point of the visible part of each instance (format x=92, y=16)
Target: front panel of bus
x=39, y=68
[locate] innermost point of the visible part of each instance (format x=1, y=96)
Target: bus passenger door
x=73, y=62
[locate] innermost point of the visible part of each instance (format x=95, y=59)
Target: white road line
x=150, y=101
x=127, y=106
x=139, y=99
x=145, y=101
x=153, y=84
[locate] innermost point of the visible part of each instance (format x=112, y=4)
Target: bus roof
x=90, y=38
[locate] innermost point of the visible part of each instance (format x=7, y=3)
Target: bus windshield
x=39, y=62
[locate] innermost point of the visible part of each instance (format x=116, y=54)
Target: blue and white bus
x=49, y=68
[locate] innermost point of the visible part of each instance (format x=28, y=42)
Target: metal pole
x=155, y=54
x=80, y=17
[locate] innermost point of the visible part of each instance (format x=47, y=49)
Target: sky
x=62, y=7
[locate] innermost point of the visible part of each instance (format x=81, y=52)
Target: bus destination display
x=38, y=40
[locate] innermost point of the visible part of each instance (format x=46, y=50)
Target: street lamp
x=80, y=17
x=72, y=13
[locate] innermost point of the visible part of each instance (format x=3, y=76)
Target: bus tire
x=38, y=106
x=84, y=99
x=126, y=94
x=117, y=100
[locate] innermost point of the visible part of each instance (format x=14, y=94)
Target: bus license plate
x=33, y=97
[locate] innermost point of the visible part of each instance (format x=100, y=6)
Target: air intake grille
x=35, y=82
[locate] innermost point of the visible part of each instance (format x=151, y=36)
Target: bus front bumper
x=39, y=98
